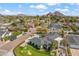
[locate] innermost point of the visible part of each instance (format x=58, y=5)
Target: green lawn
x=30, y=51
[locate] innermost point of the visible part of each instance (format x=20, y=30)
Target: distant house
x=6, y=33
x=30, y=25
x=1, y=33
x=73, y=40
x=77, y=24
x=55, y=26
x=20, y=26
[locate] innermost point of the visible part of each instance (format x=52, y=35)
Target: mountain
x=1, y=15
x=21, y=15
x=57, y=13
x=49, y=14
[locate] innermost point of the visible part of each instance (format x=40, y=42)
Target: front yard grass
x=30, y=51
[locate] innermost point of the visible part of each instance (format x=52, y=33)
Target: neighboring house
x=77, y=24
x=1, y=33
x=73, y=40
x=49, y=38
x=20, y=26
x=30, y=25
x=6, y=33
x=55, y=26
x=5, y=25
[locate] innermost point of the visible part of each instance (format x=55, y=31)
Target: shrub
x=16, y=33
x=6, y=38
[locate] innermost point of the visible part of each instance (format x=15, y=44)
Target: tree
x=64, y=42
x=54, y=44
x=61, y=33
x=42, y=31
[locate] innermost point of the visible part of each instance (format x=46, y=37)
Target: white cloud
x=62, y=10
x=51, y=4
x=74, y=3
x=65, y=9
x=58, y=9
x=6, y=12
x=39, y=7
x=9, y=12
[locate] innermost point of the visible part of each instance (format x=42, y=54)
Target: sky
x=69, y=9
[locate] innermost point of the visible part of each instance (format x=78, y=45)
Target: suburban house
x=55, y=26
x=1, y=33
x=73, y=40
x=45, y=42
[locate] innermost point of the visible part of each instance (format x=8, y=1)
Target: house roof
x=1, y=32
x=73, y=39
x=55, y=26
x=36, y=41
x=46, y=40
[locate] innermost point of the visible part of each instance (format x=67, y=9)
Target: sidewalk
x=75, y=52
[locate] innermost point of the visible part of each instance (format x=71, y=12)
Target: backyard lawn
x=30, y=51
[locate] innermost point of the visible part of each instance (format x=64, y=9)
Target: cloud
x=9, y=12
x=62, y=10
x=66, y=7
x=74, y=3
x=39, y=7
x=51, y=4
